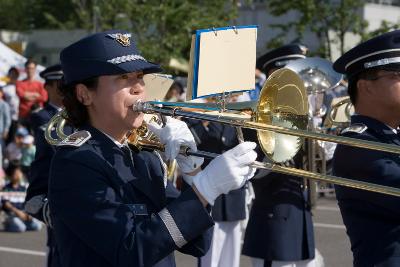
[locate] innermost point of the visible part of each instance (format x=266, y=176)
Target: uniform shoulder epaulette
x=44, y=127
x=36, y=110
x=76, y=139
x=355, y=128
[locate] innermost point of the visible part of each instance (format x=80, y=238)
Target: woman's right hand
x=227, y=172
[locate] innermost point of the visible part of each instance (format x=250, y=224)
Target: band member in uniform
x=107, y=200
x=229, y=209
x=36, y=199
x=280, y=230
x=372, y=220
x=52, y=76
x=39, y=175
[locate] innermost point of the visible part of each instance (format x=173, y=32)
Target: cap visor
x=140, y=65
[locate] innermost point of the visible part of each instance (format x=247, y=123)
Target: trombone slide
x=186, y=151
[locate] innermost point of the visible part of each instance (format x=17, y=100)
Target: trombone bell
x=283, y=102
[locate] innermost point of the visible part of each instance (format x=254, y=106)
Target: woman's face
x=111, y=103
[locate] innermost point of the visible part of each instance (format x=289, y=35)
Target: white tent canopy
x=9, y=58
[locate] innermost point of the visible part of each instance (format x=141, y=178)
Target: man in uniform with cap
x=52, y=76
x=36, y=203
x=280, y=57
x=107, y=199
x=39, y=176
x=372, y=220
x=280, y=230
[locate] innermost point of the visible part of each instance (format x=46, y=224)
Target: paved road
x=28, y=249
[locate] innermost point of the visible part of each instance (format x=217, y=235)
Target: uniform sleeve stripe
x=164, y=167
x=172, y=228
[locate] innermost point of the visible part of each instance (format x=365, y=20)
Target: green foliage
x=15, y=15
x=163, y=28
x=33, y=14
x=384, y=27
x=322, y=18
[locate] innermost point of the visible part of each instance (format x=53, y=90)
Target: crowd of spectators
x=19, y=98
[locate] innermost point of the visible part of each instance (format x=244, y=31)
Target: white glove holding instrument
x=174, y=135
x=226, y=172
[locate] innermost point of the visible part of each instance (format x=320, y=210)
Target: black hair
x=14, y=69
x=76, y=111
x=179, y=86
x=30, y=61
x=12, y=167
x=352, y=89
x=370, y=74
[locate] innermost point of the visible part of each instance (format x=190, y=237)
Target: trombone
x=280, y=118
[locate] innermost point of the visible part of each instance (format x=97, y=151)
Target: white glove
x=226, y=172
x=174, y=135
x=188, y=178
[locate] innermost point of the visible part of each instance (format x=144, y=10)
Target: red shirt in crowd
x=26, y=102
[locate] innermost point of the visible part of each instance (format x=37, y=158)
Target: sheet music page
x=227, y=60
x=157, y=86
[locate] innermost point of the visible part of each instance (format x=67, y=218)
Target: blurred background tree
x=328, y=20
x=163, y=28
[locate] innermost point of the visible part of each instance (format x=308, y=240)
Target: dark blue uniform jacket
x=99, y=196
x=280, y=225
x=39, y=172
x=372, y=220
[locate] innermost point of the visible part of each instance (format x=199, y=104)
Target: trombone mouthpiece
x=139, y=106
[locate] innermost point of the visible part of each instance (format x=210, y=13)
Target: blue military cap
x=52, y=73
x=106, y=53
x=381, y=52
x=281, y=56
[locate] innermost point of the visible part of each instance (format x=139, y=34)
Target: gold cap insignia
x=122, y=38
x=303, y=49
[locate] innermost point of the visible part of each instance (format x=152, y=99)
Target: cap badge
x=122, y=38
x=303, y=49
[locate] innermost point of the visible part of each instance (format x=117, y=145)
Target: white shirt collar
x=120, y=145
